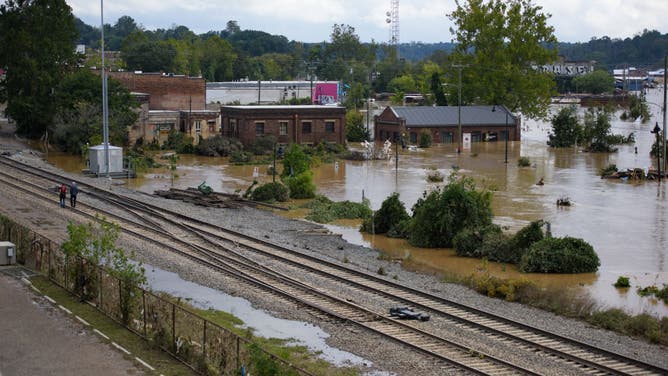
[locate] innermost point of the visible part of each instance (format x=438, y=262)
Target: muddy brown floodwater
x=626, y=222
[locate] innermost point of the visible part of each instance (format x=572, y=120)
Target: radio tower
x=393, y=21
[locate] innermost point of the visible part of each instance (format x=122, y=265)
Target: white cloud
x=420, y=20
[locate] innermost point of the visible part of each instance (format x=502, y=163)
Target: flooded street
x=626, y=222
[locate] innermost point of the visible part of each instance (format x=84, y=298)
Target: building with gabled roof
x=483, y=123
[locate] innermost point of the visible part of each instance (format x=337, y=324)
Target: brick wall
x=166, y=92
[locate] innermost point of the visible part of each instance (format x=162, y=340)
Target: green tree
x=356, y=131
x=217, y=59
x=499, y=42
x=36, y=39
x=437, y=90
x=78, y=118
x=597, y=130
x=566, y=128
x=392, y=212
x=141, y=53
x=440, y=214
x=97, y=245
x=295, y=161
x=596, y=82
x=403, y=84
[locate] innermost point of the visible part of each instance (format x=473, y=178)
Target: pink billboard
x=326, y=93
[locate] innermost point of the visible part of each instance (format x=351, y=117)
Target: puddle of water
x=264, y=325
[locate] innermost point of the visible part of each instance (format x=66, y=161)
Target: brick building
x=307, y=125
x=166, y=91
x=483, y=123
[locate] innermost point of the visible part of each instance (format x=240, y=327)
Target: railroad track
x=585, y=358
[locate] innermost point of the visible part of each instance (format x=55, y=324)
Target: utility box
x=96, y=156
x=7, y=253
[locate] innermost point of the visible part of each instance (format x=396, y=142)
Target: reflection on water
x=626, y=222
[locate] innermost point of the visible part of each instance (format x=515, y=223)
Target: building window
x=198, y=126
x=413, y=136
x=447, y=137
x=212, y=126
x=282, y=128
x=259, y=128
x=329, y=126
x=306, y=127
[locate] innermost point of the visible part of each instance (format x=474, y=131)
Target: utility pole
x=459, y=107
x=105, y=105
x=665, y=77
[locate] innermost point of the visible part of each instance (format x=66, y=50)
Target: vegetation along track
x=588, y=358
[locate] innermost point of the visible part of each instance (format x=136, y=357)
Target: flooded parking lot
x=626, y=222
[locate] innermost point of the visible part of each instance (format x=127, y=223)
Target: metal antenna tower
x=393, y=21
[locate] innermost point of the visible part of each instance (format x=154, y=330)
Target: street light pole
x=507, y=136
x=657, y=131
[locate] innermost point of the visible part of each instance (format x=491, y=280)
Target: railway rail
x=202, y=236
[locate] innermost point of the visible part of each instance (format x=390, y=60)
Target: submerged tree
x=439, y=215
x=566, y=128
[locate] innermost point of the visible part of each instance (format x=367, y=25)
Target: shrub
x=263, y=145
x=391, y=212
x=240, y=157
x=468, y=242
x=524, y=162
x=324, y=210
x=560, y=255
x=218, y=146
x=439, y=215
x=622, y=282
x=524, y=239
x=425, y=139
x=301, y=186
x=295, y=162
x=274, y=191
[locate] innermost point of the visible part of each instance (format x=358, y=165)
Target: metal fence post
x=174, y=328
x=204, y=341
x=143, y=302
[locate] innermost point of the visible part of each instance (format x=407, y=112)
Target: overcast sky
x=419, y=20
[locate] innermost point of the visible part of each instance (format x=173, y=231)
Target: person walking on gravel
x=74, y=190
x=62, y=193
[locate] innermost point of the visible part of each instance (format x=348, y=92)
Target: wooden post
x=174, y=328
x=143, y=302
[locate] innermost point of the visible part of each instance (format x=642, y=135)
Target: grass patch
x=566, y=302
x=163, y=362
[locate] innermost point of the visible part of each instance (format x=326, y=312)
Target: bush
x=391, y=212
x=301, y=186
x=560, y=255
x=295, y=162
x=263, y=145
x=324, y=210
x=425, y=139
x=274, y=191
x=240, y=157
x=524, y=239
x=218, y=146
x=622, y=282
x=468, y=242
x=439, y=215
x=524, y=162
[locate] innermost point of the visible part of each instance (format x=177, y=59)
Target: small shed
x=97, y=159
